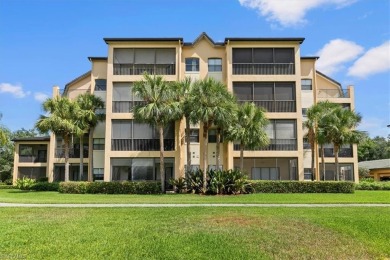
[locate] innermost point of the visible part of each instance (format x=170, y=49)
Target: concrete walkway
x=25, y=205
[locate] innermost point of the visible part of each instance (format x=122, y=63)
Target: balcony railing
x=344, y=152
x=141, y=144
x=276, y=145
x=139, y=69
x=32, y=159
x=73, y=153
x=125, y=106
x=263, y=68
x=276, y=106
x=333, y=93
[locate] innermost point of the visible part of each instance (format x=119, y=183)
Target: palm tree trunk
x=205, y=154
x=66, y=155
x=323, y=160
x=90, y=153
x=336, y=161
x=81, y=170
x=241, y=157
x=312, y=147
x=218, y=159
x=162, y=172
x=189, y=166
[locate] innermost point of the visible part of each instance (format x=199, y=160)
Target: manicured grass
x=194, y=233
x=18, y=196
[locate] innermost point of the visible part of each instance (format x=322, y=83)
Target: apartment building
x=267, y=71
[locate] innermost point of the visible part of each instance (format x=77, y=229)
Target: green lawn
x=194, y=233
x=18, y=196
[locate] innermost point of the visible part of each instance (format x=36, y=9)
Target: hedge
x=302, y=187
x=142, y=187
x=370, y=185
x=45, y=186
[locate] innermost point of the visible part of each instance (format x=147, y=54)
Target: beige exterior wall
x=204, y=49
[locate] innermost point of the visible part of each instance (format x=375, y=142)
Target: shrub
x=194, y=181
x=73, y=187
x=45, y=186
x=363, y=173
x=227, y=182
x=142, y=187
x=302, y=187
x=9, y=181
x=25, y=183
x=43, y=179
x=179, y=184
x=5, y=176
x=370, y=185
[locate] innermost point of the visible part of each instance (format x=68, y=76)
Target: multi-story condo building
x=267, y=71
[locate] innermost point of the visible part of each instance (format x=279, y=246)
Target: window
x=304, y=112
x=213, y=136
x=98, y=174
x=265, y=173
x=306, y=144
x=100, y=84
x=25, y=150
x=192, y=64
x=194, y=135
x=98, y=143
x=306, y=84
x=283, y=135
x=307, y=174
x=215, y=64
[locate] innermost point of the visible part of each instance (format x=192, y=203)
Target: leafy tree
x=160, y=109
x=205, y=103
x=87, y=120
x=3, y=136
x=248, y=129
x=374, y=148
x=340, y=125
x=62, y=121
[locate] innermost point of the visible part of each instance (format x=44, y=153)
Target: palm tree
x=205, y=108
x=316, y=133
x=249, y=129
x=340, y=125
x=61, y=121
x=87, y=120
x=184, y=88
x=160, y=109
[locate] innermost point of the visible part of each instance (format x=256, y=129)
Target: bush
x=45, y=186
x=5, y=176
x=302, y=187
x=370, y=185
x=6, y=187
x=43, y=179
x=179, y=184
x=194, y=181
x=142, y=187
x=25, y=183
x=9, y=182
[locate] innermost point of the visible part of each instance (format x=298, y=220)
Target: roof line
x=142, y=39
x=310, y=57
x=203, y=35
x=96, y=58
x=76, y=79
x=283, y=39
x=328, y=78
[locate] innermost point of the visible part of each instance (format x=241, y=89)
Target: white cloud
x=375, y=60
x=335, y=54
x=39, y=96
x=15, y=90
x=374, y=127
x=290, y=12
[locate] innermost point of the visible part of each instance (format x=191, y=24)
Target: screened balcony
x=123, y=98
x=33, y=153
x=345, y=151
x=273, y=96
x=128, y=135
x=129, y=61
x=276, y=145
x=73, y=153
x=32, y=172
x=263, y=61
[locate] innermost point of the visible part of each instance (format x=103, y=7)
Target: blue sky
x=46, y=43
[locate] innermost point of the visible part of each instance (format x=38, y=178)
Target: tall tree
x=88, y=118
x=3, y=136
x=204, y=101
x=340, y=126
x=316, y=133
x=160, y=109
x=374, y=148
x=62, y=121
x=248, y=129
x=183, y=93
